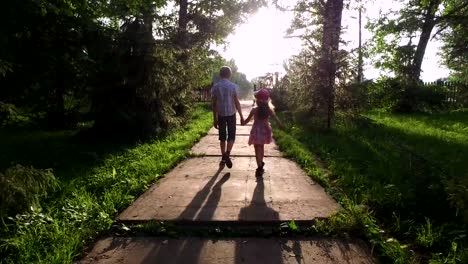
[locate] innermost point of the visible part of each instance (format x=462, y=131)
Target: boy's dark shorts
x=229, y=123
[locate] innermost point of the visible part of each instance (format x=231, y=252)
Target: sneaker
x=222, y=163
x=259, y=171
x=228, y=161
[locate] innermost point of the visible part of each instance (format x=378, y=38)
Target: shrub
x=279, y=98
x=432, y=97
x=353, y=97
x=22, y=187
x=11, y=117
x=397, y=96
x=387, y=93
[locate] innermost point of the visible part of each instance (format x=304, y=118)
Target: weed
x=427, y=235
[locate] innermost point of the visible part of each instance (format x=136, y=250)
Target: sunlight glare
x=259, y=46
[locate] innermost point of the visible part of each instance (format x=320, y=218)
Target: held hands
x=243, y=123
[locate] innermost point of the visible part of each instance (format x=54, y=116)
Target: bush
x=385, y=93
x=353, y=97
x=21, y=187
x=397, y=96
x=432, y=97
x=279, y=98
x=11, y=117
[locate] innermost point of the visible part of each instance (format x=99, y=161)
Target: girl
x=261, y=133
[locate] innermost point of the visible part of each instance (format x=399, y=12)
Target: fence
x=456, y=93
x=203, y=94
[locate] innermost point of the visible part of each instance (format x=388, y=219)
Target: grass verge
x=400, y=179
x=92, y=191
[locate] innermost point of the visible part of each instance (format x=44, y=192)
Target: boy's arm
x=215, y=111
x=238, y=107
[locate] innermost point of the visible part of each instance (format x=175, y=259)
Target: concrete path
x=235, y=251
x=198, y=192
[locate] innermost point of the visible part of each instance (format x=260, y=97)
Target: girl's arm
x=272, y=113
x=246, y=121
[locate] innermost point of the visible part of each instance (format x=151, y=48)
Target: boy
x=225, y=102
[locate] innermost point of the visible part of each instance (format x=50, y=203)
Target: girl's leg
x=262, y=154
x=257, y=155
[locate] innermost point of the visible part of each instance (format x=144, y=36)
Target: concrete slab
x=234, y=251
x=209, y=145
x=196, y=190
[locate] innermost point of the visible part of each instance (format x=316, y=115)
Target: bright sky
x=259, y=46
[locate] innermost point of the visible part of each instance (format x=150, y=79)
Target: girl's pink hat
x=262, y=94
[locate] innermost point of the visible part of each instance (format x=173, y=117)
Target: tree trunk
x=58, y=116
x=328, y=61
x=429, y=23
x=183, y=21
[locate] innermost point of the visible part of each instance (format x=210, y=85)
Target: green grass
x=97, y=181
x=409, y=171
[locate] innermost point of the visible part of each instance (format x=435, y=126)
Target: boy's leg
x=222, y=145
x=231, y=131
x=222, y=137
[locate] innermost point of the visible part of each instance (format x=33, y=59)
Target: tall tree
x=455, y=38
x=429, y=9
x=155, y=90
x=205, y=21
x=329, y=54
x=417, y=19
x=318, y=24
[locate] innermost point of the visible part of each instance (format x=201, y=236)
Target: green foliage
x=12, y=118
x=427, y=236
x=455, y=52
x=279, y=96
x=92, y=193
x=78, y=60
x=22, y=187
x=398, y=96
x=310, y=88
x=356, y=219
x=5, y=67
x=289, y=227
x=392, y=42
x=392, y=46
x=456, y=255
x=392, y=186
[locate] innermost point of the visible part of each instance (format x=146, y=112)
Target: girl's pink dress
x=261, y=132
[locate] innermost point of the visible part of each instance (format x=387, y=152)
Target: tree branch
x=452, y=13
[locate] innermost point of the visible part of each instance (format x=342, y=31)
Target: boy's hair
x=225, y=72
x=263, y=111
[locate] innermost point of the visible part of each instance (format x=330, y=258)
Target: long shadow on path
x=210, y=189
x=204, y=203
x=258, y=209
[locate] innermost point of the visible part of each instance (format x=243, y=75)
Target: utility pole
x=360, y=77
